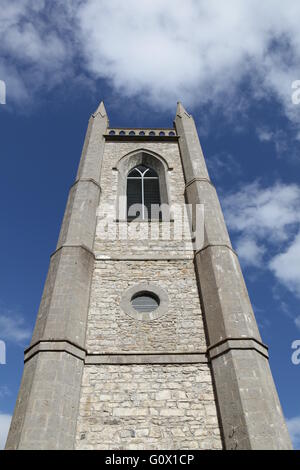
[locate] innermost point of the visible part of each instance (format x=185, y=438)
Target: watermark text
x=296, y=353
x=2, y=353
x=296, y=93
x=2, y=92
x=180, y=224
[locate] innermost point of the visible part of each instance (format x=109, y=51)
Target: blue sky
x=232, y=67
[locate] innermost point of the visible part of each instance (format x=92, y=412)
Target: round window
x=145, y=302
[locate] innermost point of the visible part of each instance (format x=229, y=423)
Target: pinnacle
x=181, y=110
x=101, y=110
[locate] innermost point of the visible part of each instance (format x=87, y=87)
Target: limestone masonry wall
x=147, y=407
x=109, y=192
x=110, y=329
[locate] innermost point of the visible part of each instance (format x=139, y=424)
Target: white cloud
x=293, y=425
x=265, y=220
x=297, y=322
x=281, y=140
x=286, y=267
x=4, y=391
x=221, y=163
x=196, y=51
x=13, y=328
x=264, y=213
x=250, y=252
x=36, y=48
x=264, y=134
x=5, y=420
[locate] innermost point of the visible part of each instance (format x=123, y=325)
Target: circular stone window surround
x=145, y=287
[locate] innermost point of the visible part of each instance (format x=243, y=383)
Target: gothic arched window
x=143, y=196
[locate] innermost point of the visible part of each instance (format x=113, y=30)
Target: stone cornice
x=148, y=257
x=145, y=357
x=216, y=245
x=138, y=357
x=55, y=346
x=83, y=247
x=242, y=343
x=139, y=138
x=86, y=180
x=200, y=180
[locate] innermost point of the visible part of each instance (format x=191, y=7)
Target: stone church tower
x=145, y=342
